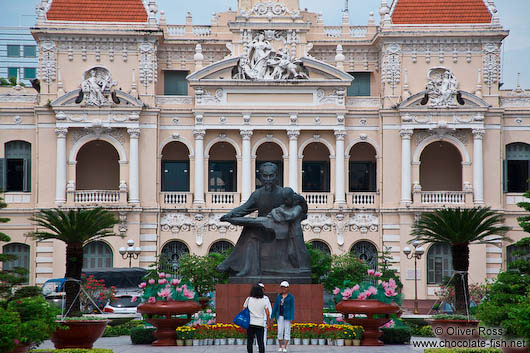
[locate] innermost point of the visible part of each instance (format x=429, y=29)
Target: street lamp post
x=416, y=254
x=131, y=252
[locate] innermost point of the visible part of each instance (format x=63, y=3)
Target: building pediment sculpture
x=442, y=88
x=96, y=88
x=270, y=9
x=262, y=62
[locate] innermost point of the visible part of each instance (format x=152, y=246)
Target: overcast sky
x=513, y=15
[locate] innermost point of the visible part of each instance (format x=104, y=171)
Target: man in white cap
x=283, y=312
x=270, y=313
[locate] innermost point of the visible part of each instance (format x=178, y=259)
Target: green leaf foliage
x=37, y=317
x=344, y=267
x=320, y=264
x=202, y=272
x=9, y=329
x=396, y=335
x=142, y=335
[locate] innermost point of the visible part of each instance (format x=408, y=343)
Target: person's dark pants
x=257, y=331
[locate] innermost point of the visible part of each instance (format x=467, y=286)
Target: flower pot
x=179, y=342
x=297, y=340
x=166, y=333
x=356, y=342
x=222, y=341
x=188, y=342
x=269, y=341
x=240, y=341
x=80, y=333
x=314, y=341
x=330, y=342
x=322, y=341
x=209, y=341
x=455, y=330
x=305, y=341
x=339, y=342
x=348, y=342
x=22, y=348
x=371, y=325
x=230, y=341
x=196, y=342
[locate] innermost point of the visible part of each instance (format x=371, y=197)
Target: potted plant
x=164, y=299
x=75, y=228
x=296, y=334
x=357, y=336
x=374, y=298
x=37, y=320
x=459, y=228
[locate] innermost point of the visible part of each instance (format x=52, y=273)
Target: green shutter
x=12, y=72
x=2, y=174
x=30, y=72
x=27, y=175
x=175, y=83
x=13, y=51
x=505, y=175
x=360, y=86
x=30, y=51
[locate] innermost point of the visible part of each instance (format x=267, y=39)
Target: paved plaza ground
x=123, y=345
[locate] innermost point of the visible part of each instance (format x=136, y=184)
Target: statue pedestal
x=308, y=300
x=294, y=279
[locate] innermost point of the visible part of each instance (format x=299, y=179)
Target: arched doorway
x=96, y=255
x=175, y=167
x=269, y=152
x=441, y=167
x=315, y=168
x=97, y=167
x=366, y=252
x=171, y=253
x=221, y=247
x=362, y=168
x=222, y=168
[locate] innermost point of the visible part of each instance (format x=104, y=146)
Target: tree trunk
x=74, y=265
x=460, y=253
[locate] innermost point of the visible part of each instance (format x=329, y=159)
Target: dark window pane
x=21, y=251
x=171, y=253
x=222, y=176
x=15, y=175
x=362, y=176
x=360, y=86
x=30, y=73
x=12, y=72
x=175, y=83
x=175, y=176
x=315, y=176
x=366, y=252
x=220, y=247
x=30, y=51
x=517, y=176
x=13, y=50
x=321, y=246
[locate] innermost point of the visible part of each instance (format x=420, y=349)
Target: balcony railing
x=176, y=198
x=319, y=199
x=223, y=199
x=515, y=198
x=443, y=197
x=97, y=196
x=362, y=198
x=333, y=31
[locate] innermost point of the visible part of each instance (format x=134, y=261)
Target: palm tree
x=459, y=228
x=75, y=228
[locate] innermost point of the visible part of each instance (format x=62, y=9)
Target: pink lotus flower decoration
x=187, y=293
x=151, y=300
x=336, y=291
x=175, y=282
x=371, y=272
x=372, y=290
x=378, y=274
x=151, y=281
x=178, y=289
x=142, y=285
x=347, y=293
x=133, y=299
x=355, y=288
x=164, y=293
x=162, y=275
x=162, y=281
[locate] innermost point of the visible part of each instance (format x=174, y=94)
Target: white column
x=478, y=166
x=340, y=196
x=134, y=188
x=246, y=172
x=406, y=135
x=198, y=187
x=293, y=159
x=60, y=177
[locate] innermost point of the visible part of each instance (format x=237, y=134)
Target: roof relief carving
x=270, y=9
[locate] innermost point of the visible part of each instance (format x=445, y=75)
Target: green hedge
x=396, y=335
x=142, y=335
x=462, y=350
x=123, y=329
x=72, y=350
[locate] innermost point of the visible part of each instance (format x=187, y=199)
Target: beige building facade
x=165, y=125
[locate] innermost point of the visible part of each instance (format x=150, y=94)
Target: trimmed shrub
x=121, y=330
x=142, y=335
x=396, y=335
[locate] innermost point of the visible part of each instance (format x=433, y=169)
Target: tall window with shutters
x=21, y=260
x=15, y=168
x=360, y=85
x=439, y=263
x=96, y=255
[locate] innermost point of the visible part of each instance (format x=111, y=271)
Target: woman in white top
x=259, y=312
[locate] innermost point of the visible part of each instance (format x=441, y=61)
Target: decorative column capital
x=246, y=134
x=478, y=134
x=293, y=134
x=406, y=134
x=61, y=132
x=134, y=133
x=199, y=134
x=340, y=134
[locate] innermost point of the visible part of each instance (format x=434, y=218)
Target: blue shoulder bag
x=242, y=319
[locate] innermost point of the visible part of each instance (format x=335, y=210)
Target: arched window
x=514, y=252
x=221, y=246
x=21, y=251
x=441, y=167
x=315, y=168
x=15, y=168
x=171, y=253
x=362, y=168
x=222, y=170
x=97, y=166
x=515, y=168
x=321, y=246
x=96, y=255
x=439, y=263
x=366, y=252
x=175, y=167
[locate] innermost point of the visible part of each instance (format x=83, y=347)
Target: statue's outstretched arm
x=243, y=210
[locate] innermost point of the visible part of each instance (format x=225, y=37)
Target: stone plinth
x=308, y=298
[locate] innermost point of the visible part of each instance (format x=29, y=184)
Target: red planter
x=516, y=350
x=371, y=325
x=166, y=334
x=80, y=333
x=455, y=330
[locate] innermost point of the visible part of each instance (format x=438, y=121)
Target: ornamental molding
x=441, y=133
x=358, y=102
x=508, y=102
x=97, y=131
x=491, y=65
x=168, y=100
x=18, y=98
x=331, y=97
x=364, y=222
x=442, y=88
x=391, y=67
x=203, y=96
x=48, y=62
x=176, y=223
x=317, y=223
x=148, y=63
x=270, y=9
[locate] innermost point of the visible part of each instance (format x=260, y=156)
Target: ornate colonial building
x=166, y=125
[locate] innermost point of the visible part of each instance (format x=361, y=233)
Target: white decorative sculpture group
x=442, y=88
x=96, y=86
x=261, y=62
